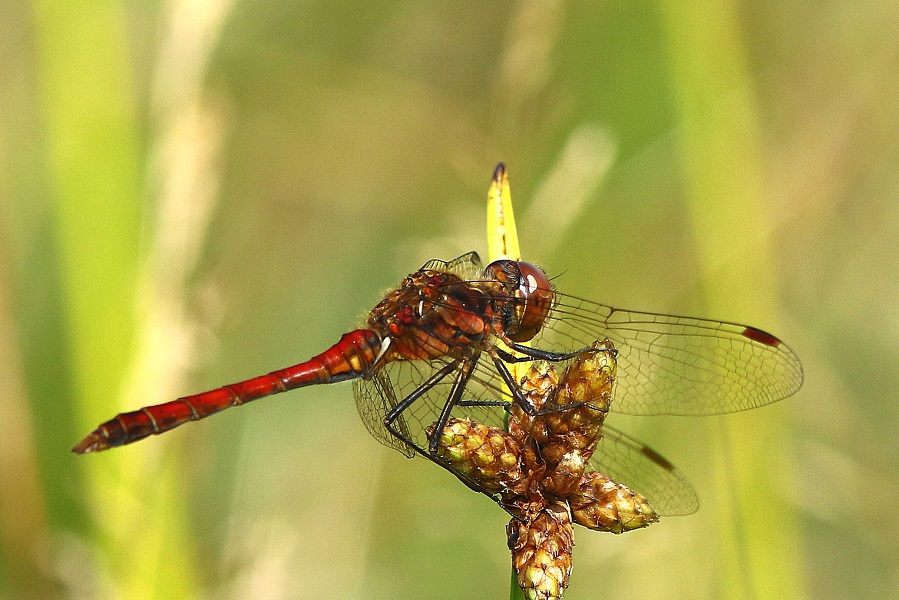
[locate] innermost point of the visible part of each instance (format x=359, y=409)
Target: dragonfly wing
x=639, y=467
x=392, y=383
x=482, y=402
x=375, y=398
x=467, y=267
x=678, y=365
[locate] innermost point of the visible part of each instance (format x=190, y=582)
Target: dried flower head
x=541, y=547
x=539, y=468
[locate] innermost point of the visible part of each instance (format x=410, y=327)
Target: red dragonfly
x=439, y=346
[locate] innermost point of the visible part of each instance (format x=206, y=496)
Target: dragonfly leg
x=400, y=407
x=538, y=354
x=455, y=396
x=569, y=406
x=464, y=373
x=522, y=400
x=482, y=403
x=513, y=386
x=465, y=369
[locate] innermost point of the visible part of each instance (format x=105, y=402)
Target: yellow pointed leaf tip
x=502, y=235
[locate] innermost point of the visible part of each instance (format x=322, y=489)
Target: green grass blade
x=722, y=168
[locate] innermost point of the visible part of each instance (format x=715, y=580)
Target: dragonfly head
x=533, y=293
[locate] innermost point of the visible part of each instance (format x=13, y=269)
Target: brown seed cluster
x=540, y=468
x=573, y=410
x=605, y=505
x=486, y=455
x=541, y=551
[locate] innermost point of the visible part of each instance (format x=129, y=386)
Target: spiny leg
x=538, y=354
x=397, y=410
x=522, y=400
x=465, y=371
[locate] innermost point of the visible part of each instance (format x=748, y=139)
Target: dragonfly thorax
x=434, y=314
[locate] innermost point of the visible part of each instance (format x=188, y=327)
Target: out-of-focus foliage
x=195, y=192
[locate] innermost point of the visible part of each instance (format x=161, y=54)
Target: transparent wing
x=468, y=266
x=376, y=397
x=636, y=465
x=670, y=365
x=667, y=364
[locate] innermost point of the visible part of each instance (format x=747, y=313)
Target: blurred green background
x=194, y=192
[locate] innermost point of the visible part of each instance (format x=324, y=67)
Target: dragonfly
x=444, y=343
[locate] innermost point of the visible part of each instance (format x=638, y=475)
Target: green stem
x=515, y=592
x=502, y=242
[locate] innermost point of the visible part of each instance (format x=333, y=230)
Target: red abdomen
x=349, y=358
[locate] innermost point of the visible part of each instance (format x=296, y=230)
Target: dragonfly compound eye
x=534, y=301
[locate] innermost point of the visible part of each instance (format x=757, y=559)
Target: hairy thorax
x=434, y=314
